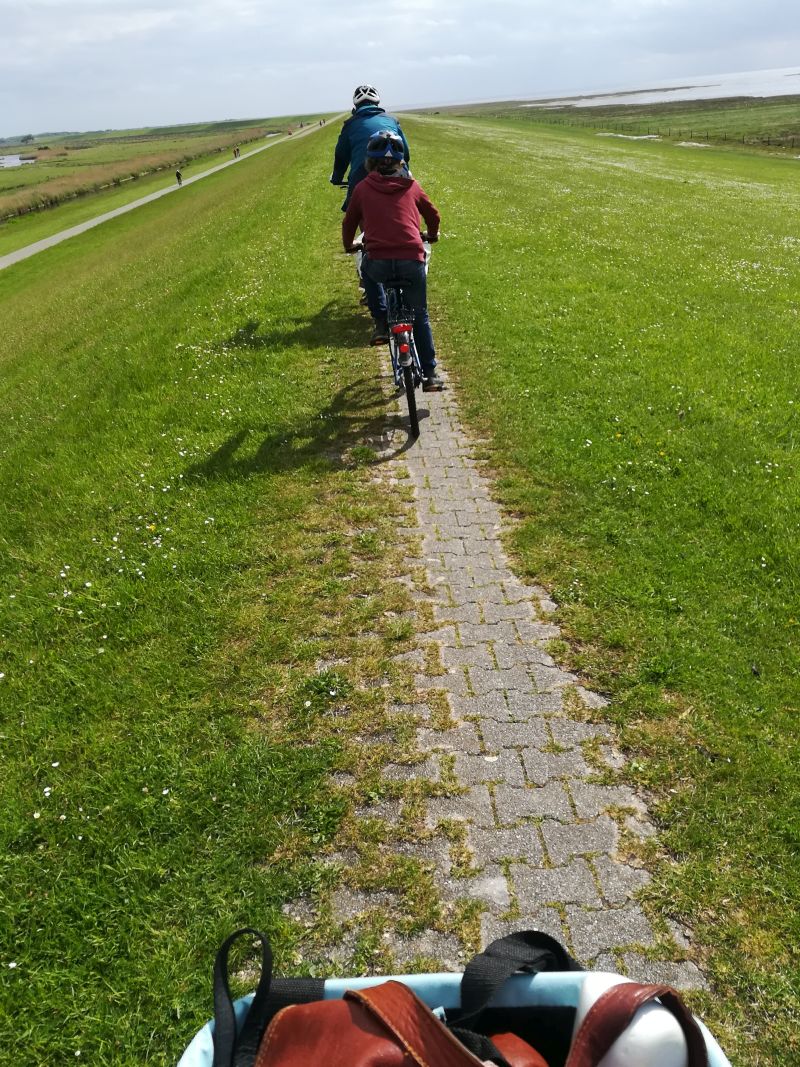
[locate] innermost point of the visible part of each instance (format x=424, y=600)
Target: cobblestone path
x=526, y=741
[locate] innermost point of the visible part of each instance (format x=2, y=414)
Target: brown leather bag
x=384, y=1026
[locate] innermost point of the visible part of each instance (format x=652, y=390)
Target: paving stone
x=488, y=705
x=591, y=800
x=463, y=593
x=516, y=842
x=427, y=770
x=545, y=919
x=496, y=631
x=506, y=612
x=453, y=681
x=464, y=738
x=446, y=612
x=475, y=563
x=451, y=547
x=416, y=657
x=470, y=656
x=538, y=633
x=545, y=679
x=490, y=886
x=541, y=767
x=497, y=735
x=514, y=804
x=387, y=810
x=641, y=828
x=570, y=884
x=496, y=635
x=444, y=948
x=518, y=655
x=487, y=578
x=590, y=699
x=474, y=806
x=605, y=962
x=514, y=589
x=679, y=975
x=431, y=852
x=444, y=635
x=612, y=757
x=505, y=767
x=619, y=881
x=343, y=779
x=346, y=903
x=607, y=929
x=571, y=734
x=565, y=840
x=680, y=935
x=487, y=681
x=534, y=705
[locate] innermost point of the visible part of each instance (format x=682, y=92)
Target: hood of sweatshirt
x=388, y=185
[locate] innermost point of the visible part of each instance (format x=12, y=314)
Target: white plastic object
x=653, y=1039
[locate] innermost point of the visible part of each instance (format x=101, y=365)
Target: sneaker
x=380, y=335
x=434, y=384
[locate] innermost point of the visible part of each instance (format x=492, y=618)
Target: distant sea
x=782, y=82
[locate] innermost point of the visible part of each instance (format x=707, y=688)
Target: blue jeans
x=415, y=288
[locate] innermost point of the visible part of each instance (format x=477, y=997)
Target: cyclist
x=367, y=119
x=387, y=206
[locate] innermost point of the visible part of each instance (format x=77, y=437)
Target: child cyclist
x=387, y=206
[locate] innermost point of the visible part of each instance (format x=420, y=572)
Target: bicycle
x=406, y=365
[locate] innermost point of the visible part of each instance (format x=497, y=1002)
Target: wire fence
x=677, y=133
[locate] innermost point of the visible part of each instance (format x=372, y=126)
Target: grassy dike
x=21, y=230
x=190, y=525
x=187, y=407
x=622, y=322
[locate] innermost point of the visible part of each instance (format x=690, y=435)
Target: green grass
x=187, y=409
x=180, y=550
x=22, y=230
x=773, y=121
x=86, y=165
x=622, y=320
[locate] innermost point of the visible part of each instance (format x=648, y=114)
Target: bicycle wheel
x=411, y=397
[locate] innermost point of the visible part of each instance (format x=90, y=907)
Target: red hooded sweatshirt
x=388, y=209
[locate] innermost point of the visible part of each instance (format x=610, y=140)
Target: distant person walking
x=367, y=119
x=179, y=178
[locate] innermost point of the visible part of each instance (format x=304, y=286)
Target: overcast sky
x=96, y=64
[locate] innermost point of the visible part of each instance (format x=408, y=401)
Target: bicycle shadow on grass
x=335, y=325
x=352, y=430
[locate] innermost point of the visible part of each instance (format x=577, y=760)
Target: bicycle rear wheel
x=411, y=397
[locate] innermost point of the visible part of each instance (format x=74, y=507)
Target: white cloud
x=99, y=63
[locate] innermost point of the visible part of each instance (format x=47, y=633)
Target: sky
x=115, y=64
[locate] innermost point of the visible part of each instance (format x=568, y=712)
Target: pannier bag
x=522, y=1002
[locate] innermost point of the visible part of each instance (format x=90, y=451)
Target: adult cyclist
x=367, y=119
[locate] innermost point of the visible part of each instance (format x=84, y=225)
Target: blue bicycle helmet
x=385, y=144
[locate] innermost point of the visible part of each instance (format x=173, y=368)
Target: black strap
x=230, y=1051
x=528, y=950
x=480, y=1046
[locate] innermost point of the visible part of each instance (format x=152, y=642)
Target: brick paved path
x=544, y=834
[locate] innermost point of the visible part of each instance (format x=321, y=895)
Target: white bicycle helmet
x=365, y=94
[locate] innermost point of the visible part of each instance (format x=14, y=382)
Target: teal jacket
x=351, y=148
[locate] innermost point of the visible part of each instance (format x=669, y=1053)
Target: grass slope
x=181, y=387
x=81, y=175
x=773, y=121
x=188, y=531
x=623, y=321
